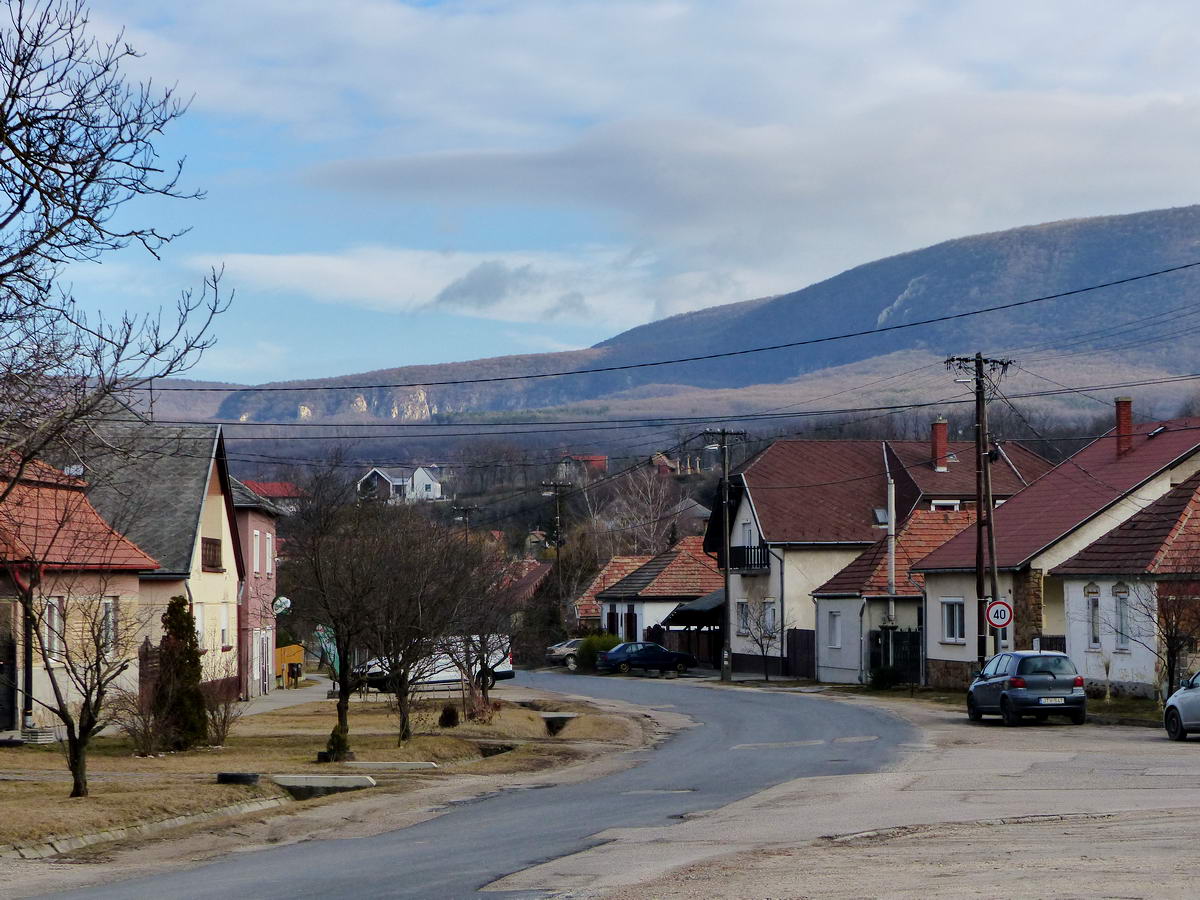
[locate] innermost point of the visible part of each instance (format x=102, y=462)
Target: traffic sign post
x=999, y=614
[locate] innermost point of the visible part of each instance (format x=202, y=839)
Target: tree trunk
x=338, y=745
x=77, y=762
x=403, y=707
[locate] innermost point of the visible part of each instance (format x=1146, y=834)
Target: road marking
x=776, y=745
x=857, y=739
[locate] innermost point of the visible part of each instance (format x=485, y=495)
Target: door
x=8, y=667
x=265, y=655
x=613, y=627
x=254, y=676
x=631, y=629
x=991, y=681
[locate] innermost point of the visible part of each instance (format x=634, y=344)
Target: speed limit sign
x=999, y=613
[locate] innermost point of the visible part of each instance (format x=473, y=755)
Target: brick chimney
x=939, y=443
x=1124, y=425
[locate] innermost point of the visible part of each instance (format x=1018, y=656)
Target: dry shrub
x=135, y=718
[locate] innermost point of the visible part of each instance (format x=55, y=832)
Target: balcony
x=750, y=560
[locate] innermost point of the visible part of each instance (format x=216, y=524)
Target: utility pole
x=723, y=435
x=555, y=489
x=986, y=574
x=464, y=513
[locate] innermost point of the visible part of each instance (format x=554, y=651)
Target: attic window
x=951, y=457
x=1157, y=431
x=74, y=471
x=881, y=516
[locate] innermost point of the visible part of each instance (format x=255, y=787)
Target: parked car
x=437, y=673
x=643, y=655
x=1028, y=683
x=1181, y=716
x=563, y=653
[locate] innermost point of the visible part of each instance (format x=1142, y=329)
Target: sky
x=391, y=183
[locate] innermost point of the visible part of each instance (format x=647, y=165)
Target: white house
x=400, y=485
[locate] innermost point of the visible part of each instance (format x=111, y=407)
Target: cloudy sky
x=392, y=183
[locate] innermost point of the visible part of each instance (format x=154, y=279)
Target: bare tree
x=1165, y=620
x=760, y=625
x=77, y=145
x=640, y=512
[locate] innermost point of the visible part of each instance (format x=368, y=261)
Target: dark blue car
x=1022, y=683
x=643, y=655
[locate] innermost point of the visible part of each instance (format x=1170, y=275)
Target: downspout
x=891, y=553
x=861, y=645
x=782, y=614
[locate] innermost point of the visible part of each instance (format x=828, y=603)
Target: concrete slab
x=305, y=787
x=392, y=766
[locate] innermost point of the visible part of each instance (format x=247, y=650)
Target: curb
x=54, y=846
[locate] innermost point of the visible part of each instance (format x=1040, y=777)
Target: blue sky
x=393, y=183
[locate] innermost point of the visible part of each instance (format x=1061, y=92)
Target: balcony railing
x=749, y=560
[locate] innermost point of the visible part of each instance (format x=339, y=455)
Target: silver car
x=1182, y=713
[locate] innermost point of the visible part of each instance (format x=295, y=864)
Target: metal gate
x=802, y=653
x=8, y=667
x=901, y=649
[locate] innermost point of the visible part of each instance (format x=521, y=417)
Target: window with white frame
x=946, y=505
x=1091, y=597
x=254, y=554
x=224, y=625
x=835, y=630
x=743, y=617
x=198, y=616
x=108, y=625
x=53, y=626
x=1121, y=598
x=954, y=629
x=747, y=535
x=769, y=615
x=270, y=551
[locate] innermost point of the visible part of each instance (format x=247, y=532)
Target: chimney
x=939, y=443
x=1124, y=425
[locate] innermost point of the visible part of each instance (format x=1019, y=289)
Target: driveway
x=743, y=742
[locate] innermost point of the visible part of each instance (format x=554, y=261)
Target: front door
x=8, y=667
x=265, y=668
x=631, y=630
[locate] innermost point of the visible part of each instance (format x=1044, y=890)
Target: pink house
x=256, y=518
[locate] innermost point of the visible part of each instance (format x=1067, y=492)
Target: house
x=1114, y=590
x=587, y=607
x=689, y=517
x=283, y=495
x=581, y=469
x=1044, y=526
x=867, y=618
x=170, y=492
x=803, y=510
x=81, y=580
x=256, y=528
x=400, y=484
x=642, y=599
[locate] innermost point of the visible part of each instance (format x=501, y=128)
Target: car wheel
x=1175, y=729
x=1010, y=715
x=623, y=668
x=680, y=667
x=571, y=662
x=1078, y=718
x=973, y=712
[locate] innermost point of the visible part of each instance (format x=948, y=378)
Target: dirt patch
x=617, y=729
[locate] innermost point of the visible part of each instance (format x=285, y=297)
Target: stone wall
x=1027, y=607
x=949, y=674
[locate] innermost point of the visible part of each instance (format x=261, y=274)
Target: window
x=1121, y=595
x=198, y=616
x=1091, y=595
x=747, y=535
x=993, y=666
x=254, y=554
x=953, y=623
x=53, y=622
x=769, y=615
x=108, y=625
x=743, y=617
x=948, y=505
x=1055, y=665
x=270, y=541
x=224, y=626
x=210, y=555
x=835, y=629
x=428, y=487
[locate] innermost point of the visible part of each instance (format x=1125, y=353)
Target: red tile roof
x=523, y=578
x=920, y=534
x=610, y=573
x=274, y=490
x=1162, y=539
x=1074, y=492
x=55, y=526
x=682, y=573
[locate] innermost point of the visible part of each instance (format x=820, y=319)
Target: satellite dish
x=281, y=605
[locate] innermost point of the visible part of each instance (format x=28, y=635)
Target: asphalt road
x=728, y=756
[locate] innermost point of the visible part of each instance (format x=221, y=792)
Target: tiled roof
x=1162, y=539
x=274, y=490
x=1017, y=467
x=245, y=498
x=682, y=572
x=586, y=606
x=1073, y=492
x=920, y=534
x=54, y=525
x=524, y=576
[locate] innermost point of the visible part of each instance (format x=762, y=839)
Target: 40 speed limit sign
x=999, y=613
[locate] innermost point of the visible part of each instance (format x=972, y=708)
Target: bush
x=449, y=716
x=593, y=644
x=178, y=703
x=885, y=678
x=134, y=718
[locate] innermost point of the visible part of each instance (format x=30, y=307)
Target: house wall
x=423, y=486
x=949, y=664
x=256, y=637
x=214, y=595
x=1131, y=669
x=839, y=664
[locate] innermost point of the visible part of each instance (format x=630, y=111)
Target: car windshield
x=1053, y=665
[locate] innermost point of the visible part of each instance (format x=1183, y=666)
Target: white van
x=439, y=673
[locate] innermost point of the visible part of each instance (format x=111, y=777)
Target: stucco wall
x=839, y=665
x=1131, y=669
x=942, y=585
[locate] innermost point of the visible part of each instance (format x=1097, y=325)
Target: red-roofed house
x=644, y=597
x=283, y=494
x=1044, y=526
x=1111, y=590
x=863, y=621
x=802, y=510
x=587, y=607
x=77, y=574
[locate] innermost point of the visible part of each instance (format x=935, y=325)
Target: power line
x=686, y=359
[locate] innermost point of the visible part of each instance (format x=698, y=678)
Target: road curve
x=745, y=741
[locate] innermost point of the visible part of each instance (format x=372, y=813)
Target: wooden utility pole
x=986, y=573
x=464, y=513
x=722, y=437
x=556, y=488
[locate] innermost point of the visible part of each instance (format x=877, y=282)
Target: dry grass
x=36, y=810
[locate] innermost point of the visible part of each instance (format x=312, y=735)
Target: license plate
x=1046, y=701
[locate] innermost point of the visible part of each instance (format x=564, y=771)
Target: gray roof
x=149, y=483
x=244, y=498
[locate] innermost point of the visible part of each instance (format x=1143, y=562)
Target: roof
x=610, y=573
x=524, y=576
x=919, y=535
x=1073, y=493
x=680, y=573
x=274, y=490
x=152, y=489
x=55, y=526
x=1017, y=467
x=703, y=611
x=1163, y=540
x=245, y=498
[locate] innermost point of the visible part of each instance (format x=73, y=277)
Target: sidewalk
x=282, y=698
